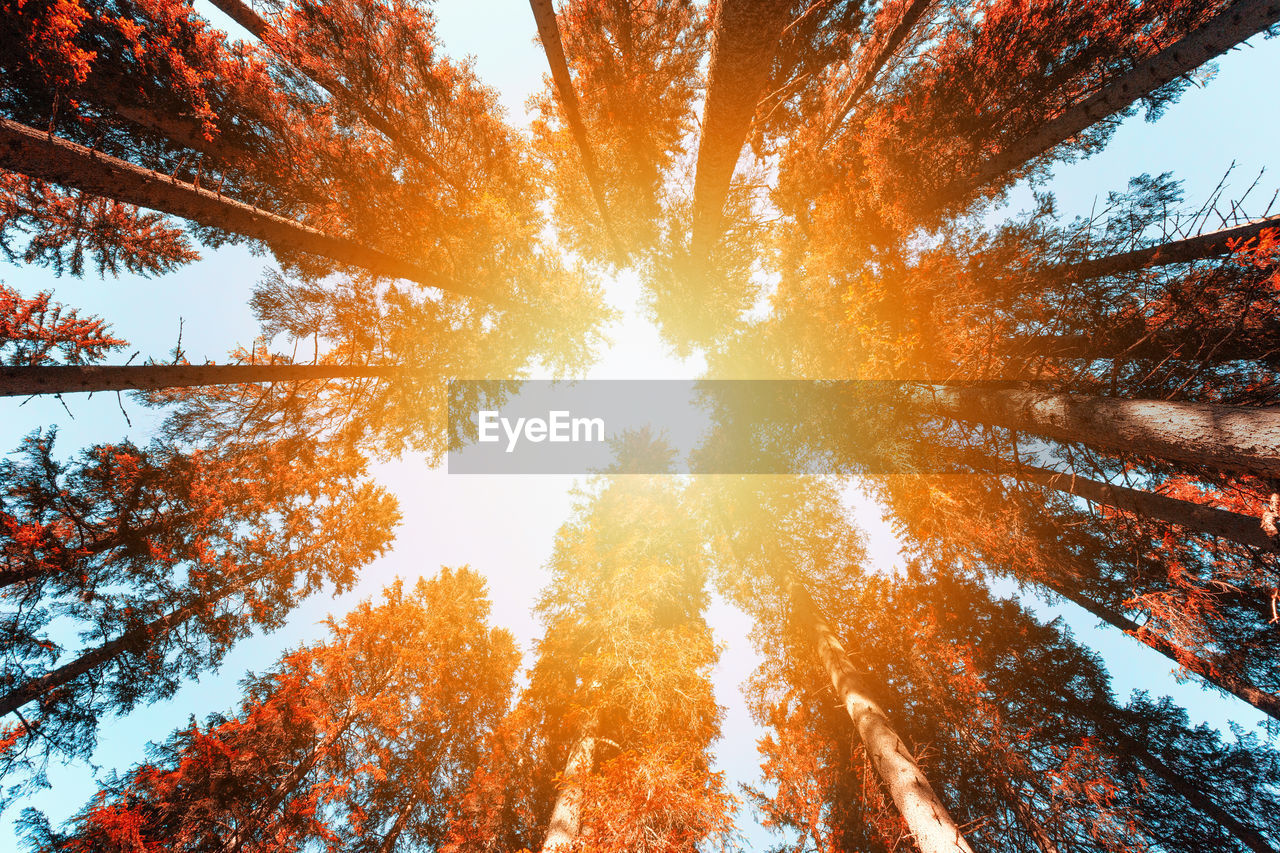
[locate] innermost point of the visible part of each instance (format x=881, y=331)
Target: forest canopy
x=1073, y=413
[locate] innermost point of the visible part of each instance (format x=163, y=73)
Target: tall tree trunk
x=1194, y=794
x=243, y=15
x=1209, y=345
x=246, y=17
x=75, y=379
x=1237, y=22
x=41, y=155
x=549, y=33
x=566, y=815
x=1208, y=245
x=389, y=840
x=924, y=814
x=1224, y=438
x=875, y=56
x=1222, y=523
x=1268, y=703
x=41, y=685
x=744, y=41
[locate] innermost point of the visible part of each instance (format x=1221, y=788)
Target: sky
x=504, y=526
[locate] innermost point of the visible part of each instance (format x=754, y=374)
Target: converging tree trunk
x=1209, y=345
x=744, y=40
x=1222, y=523
x=1237, y=22
x=75, y=379
x=87, y=661
x=1268, y=703
x=1211, y=244
x=549, y=33
x=931, y=826
x=42, y=155
x=876, y=54
x=1224, y=438
x=1193, y=793
x=566, y=815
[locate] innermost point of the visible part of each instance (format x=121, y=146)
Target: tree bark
x=243, y=15
x=744, y=40
x=1222, y=523
x=1208, y=245
x=75, y=379
x=37, y=687
x=553, y=47
x=1268, y=703
x=40, y=155
x=1224, y=438
x=1195, y=795
x=565, y=823
x=926, y=817
x=873, y=59
x=1237, y=22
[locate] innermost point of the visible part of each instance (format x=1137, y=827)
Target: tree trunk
x=74, y=379
x=1224, y=438
x=1237, y=22
x=566, y=815
x=926, y=817
x=243, y=15
x=1195, y=795
x=88, y=661
x=744, y=40
x=1268, y=703
x=40, y=155
x=389, y=840
x=873, y=59
x=1222, y=523
x=549, y=34
x=1208, y=345
x=1209, y=245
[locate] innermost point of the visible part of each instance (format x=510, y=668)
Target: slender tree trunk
x=1237, y=22
x=744, y=40
x=926, y=817
x=39, y=686
x=874, y=57
x=40, y=155
x=1222, y=523
x=389, y=840
x=75, y=379
x=1208, y=245
x=1268, y=703
x=549, y=33
x=1224, y=438
x=246, y=17
x=243, y=15
x=566, y=815
x=1230, y=345
x=1195, y=795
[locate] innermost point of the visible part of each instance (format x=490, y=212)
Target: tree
x=363, y=740
x=162, y=559
x=33, y=330
x=772, y=530
x=618, y=714
x=639, y=62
